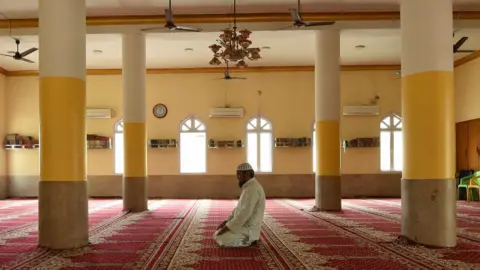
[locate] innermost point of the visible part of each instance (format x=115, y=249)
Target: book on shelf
x=293, y=142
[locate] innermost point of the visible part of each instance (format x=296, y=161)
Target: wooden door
x=472, y=148
x=462, y=146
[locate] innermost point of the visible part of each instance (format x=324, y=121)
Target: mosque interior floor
x=177, y=234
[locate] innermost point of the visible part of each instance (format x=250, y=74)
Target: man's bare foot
x=312, y=209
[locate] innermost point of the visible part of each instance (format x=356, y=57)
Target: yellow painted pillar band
x=62, y=129
x=135, y=137
x=327, y=135
x=429, y=125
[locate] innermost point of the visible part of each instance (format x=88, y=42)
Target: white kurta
x=245, y=221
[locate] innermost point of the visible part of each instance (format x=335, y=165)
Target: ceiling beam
x=241, y=18
x=22, y=73
x=468, y=58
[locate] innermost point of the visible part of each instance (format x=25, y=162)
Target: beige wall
x=287, y=100
x=467, y=91
x=3, y=161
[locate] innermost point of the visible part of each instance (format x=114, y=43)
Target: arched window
x=193, y=146
x=391, y=144
x=260, y=144
x=314, y=150
x=118, y=147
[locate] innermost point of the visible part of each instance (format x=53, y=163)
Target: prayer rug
x=177, y=234
x=378, y=221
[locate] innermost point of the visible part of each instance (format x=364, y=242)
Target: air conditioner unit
x=365, y=110
x=226, y=113
x=99, y=113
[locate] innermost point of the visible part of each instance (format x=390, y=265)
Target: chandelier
x=234, y=46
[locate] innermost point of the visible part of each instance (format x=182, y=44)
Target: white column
x=327, y=119
x=135, y=138
x=428, y=183
x=63, y=201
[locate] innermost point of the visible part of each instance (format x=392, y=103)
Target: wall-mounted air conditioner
x=363, y=110
x=226, y=113
x=99, y=113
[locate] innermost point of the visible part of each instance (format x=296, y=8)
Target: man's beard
x=241, y=183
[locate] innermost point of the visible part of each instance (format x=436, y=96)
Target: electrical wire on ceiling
x=9, y=23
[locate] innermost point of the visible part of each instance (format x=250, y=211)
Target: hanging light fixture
x=234, y=46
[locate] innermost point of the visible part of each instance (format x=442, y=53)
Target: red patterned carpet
x=177, y=234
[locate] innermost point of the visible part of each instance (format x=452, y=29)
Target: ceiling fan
x=170, y=25
x=298, y=21
x=20, y=56
x=460, y=42
x=226, y=75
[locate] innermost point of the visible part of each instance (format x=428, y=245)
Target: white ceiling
x=288, y=48
x=28, y=8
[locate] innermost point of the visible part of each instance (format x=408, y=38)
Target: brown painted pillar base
x=135, y=197
x=63, y=214
x=328, y=193
x=429, y=213
x=3, y=187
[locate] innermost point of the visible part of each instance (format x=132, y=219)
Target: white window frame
x=192, y=129
x=391, y=128
x=258, y=130
x=117, y=129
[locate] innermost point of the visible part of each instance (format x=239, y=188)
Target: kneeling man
x=242, y=227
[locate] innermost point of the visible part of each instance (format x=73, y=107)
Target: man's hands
x=222, y=228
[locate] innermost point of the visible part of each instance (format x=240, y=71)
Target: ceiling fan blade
x=238, y=78
x=465, y=51
x=187, y=29
x=29, y=51
x=12, y=52
x=459, y=44
x=295, y=15
x=287, y=27
x=27, y=60
x=309, y=24
x=158, y=28
x=6, y=55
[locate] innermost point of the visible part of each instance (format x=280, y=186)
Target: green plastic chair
x=465, y=182
x=473, y=190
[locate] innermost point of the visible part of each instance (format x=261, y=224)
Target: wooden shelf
x=22, y=146
x=373, y=142
x=17, y=141
x=162, y=143
x=225, y=143
x=293, y=142
x=99, y=144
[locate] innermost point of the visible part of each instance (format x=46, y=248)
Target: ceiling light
x=234, y=46
x=188, y=49
x=360, y=47
x=97, y=51
x=266, y=48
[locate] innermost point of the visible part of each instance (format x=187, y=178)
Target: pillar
x=428, y=180
x=134, y=127
x=63, y=201
x=328, y=195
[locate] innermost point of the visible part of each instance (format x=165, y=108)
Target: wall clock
x=160, y=110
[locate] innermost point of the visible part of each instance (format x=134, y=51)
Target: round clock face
x=160, y=110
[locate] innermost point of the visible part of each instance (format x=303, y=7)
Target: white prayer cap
x=244, y=167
